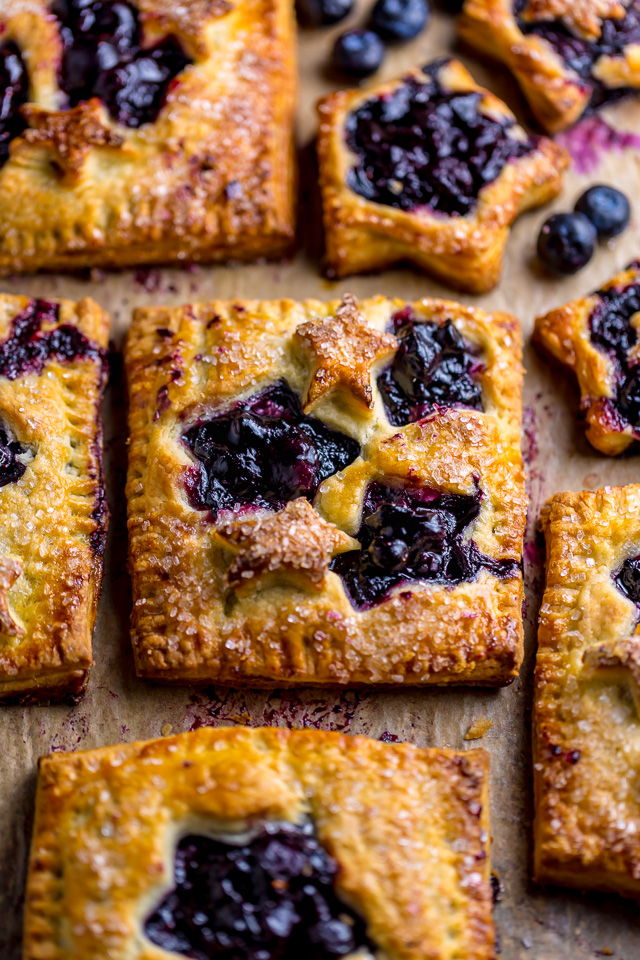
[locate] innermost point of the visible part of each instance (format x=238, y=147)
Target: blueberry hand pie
x=569, y=57
x=325, y=493
x=587, y=693
x=52, y=505
x=431, y=169
x=261, y=844
x=138, y=131
x=597, y=337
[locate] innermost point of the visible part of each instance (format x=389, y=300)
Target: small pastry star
x=185, y=18
x=10, y=569
x=71, y=134
x=585, y=15
x=296, y=540
x=344, y=348
x=618, y=661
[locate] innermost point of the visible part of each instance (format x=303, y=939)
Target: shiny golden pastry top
x=408, y=827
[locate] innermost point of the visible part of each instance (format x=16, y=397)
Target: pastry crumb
x=166, y=729
x=478, y=728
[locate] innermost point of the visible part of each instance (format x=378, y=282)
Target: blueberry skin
x=358, y=53
x=566, y=242
x=322, y=13
x=607, y=208
x=400, y=19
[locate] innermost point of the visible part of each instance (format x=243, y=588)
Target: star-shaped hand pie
x=344, y=349
x=185, y=18
x=618, y=661
x=586, y=16
x=10, y=569
x=71, y=134
x=296, y=541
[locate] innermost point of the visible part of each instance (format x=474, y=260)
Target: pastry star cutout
x=344, y=348
x=186, y=18
x=619, y=661
x=585, y=15
x=10, y=569
x=71, y=134
x=296, y=540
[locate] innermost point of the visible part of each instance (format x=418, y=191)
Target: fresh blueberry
x=566, y=242
x=400, y=19
x=358, y=53
x=607, y=208
x=321, y=13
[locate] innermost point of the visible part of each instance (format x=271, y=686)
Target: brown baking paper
x=533, y=924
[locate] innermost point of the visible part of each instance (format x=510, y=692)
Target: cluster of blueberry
x=567, y=241
x=359, y=53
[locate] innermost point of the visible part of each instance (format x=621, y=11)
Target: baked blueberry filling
x=103, y=57
x=581, y=55
x=627, y=579
x=611, y=330
x=422, y=145
x=434, y=367
x=410, y=536
x=14, y=92
x=264, y=452
x=272, y=898
x=28, y=347
x=11, y=451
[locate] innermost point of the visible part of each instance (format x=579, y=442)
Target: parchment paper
x=533, y=924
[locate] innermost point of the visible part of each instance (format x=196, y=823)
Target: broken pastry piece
x=145, y=131
x=261, y=843
x=53, y=509
x=597, y=338
x=587, y=693
x=568, y=57
x=325, y=493
x=431, y=169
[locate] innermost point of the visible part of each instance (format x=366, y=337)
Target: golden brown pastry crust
x=408, y=827
x=556, y=94
x=211, y=179
x=565, y=333
x=53, y=519
x=187, y=625
x=465, y=252
x=586, y=723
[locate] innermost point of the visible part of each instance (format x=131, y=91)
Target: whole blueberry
x=358, y=53
x=400, y=19
x=566, y=242
x=321, y=13
x=607, y=208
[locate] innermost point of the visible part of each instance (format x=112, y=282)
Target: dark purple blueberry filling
x=264, y=452
x=627, y=579
x=11, y=466
x=433, y=367
x=14, y=90
x=414, y=535
x=269, y=899
x=611, y=330
x=422, y=145
x=103, y=57
x=581, y=55
x=28, y=347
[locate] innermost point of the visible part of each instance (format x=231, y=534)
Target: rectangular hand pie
x=587, y=693
x=568, y=57
x=257, y=844
x=325, y=492
x=432, y=169
x=52, y=506
x=597, y=338
x=145, y=131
